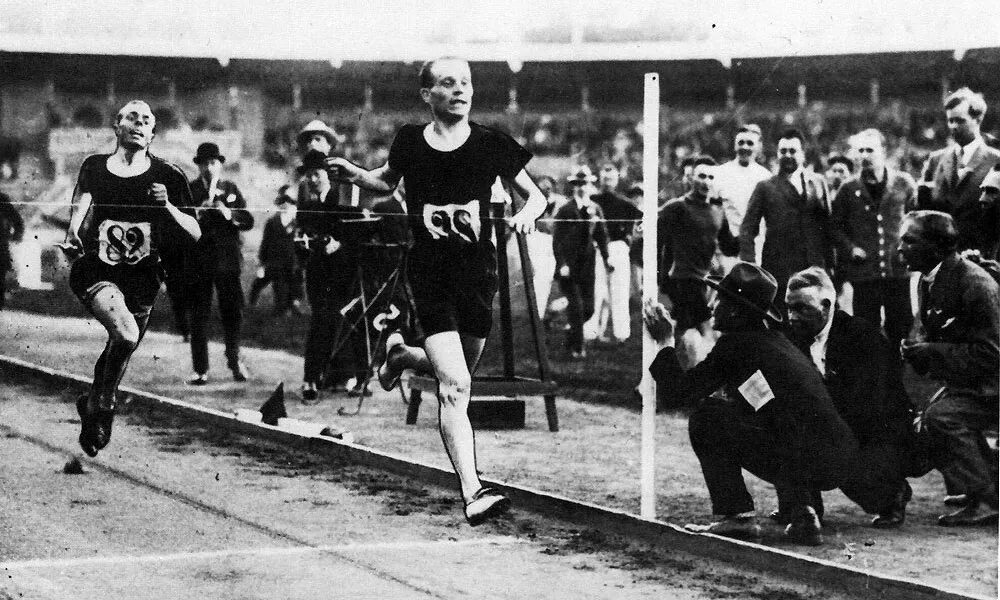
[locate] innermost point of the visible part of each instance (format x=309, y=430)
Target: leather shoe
x=486, y=504
x=198, y=379
x=895, y=515
x=240, y=373
x=741, y=525
x=976, y=513
x=391, y=369
x=87, y=426
x=804, y=527
x=780, y=517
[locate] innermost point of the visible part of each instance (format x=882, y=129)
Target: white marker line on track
x=251, y=552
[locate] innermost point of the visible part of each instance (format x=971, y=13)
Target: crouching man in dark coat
x=773, y=418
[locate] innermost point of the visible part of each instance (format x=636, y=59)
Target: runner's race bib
x=121, y=242
x=454, y=221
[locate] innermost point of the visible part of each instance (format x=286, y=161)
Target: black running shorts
x=454, y=292
x=139, y=284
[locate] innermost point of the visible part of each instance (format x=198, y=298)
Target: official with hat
x=774, y=416
x=214, y=264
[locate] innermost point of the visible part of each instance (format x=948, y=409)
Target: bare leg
x=454, y=373
x=124, y=332
x=125, y=329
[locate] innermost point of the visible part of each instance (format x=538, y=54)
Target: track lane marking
x=46, y=563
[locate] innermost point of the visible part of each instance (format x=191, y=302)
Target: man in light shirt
x=952, y=176
x=736, y=180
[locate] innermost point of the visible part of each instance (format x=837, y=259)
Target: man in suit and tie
x=867, y=215
x=579, y=225
x=958, y=343
x=795, y=206
x=952, y=176
x=864, y=376
x=213, y=265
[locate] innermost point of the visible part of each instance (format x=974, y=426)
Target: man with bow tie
x=952, y=176
x=863, y=375
x=795, y=207
x=957, y=342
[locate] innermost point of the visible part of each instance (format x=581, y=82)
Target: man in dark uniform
x=132, y=199
x=775, y=418
x=867, y=215
x=450, y=166
x=331, y=268
x=863, y=373
x=215, y=262
x=579, y=226
x=11, y=230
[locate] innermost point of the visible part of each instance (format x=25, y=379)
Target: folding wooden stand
x=507, y=384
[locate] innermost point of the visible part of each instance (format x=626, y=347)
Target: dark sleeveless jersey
x=125, y=227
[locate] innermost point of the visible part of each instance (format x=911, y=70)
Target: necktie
x=958, y=165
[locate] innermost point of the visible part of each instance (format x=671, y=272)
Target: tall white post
x=650, y=180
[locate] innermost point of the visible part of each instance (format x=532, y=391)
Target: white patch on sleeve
x=756, y=390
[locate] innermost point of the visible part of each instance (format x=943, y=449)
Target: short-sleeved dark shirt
x=448, y=193
x=125, y=226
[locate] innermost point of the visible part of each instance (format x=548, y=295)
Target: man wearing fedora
x=331, y=267
x=774, y=416
x=319, y=137
x=579, y=227
x=213, y=265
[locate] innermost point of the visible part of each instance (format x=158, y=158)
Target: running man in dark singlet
x=130, y=201
x=450, y=166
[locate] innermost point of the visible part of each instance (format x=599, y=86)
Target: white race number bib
x=121, y=242
x=455, y=221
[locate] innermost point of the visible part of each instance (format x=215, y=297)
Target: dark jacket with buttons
x=220, y=248
x=874, y=225
x=576, y=231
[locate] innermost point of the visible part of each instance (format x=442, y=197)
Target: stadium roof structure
x=511, y=31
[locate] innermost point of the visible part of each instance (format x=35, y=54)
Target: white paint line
x=251, y=552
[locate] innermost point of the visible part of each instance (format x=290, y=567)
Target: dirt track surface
x=174, y=510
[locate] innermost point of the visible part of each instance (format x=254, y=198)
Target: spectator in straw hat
x=319, y=137
x=774, y=418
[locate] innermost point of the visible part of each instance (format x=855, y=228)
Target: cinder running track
x=174, y=510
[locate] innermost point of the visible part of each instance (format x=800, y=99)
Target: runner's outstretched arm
x=381, y=179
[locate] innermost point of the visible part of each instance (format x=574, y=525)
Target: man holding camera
x=332, y=243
